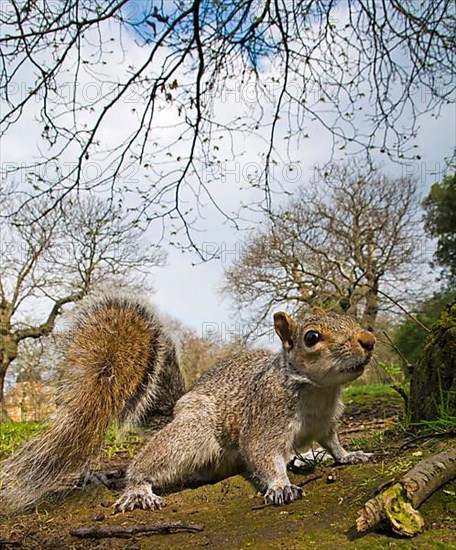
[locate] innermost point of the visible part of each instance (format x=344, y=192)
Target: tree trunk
x=3, y=412
x=8, y=353
x=433, y=381
x=371, y=308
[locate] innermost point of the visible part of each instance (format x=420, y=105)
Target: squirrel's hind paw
x=138, y=497
x=282, y=495
x=355, y=457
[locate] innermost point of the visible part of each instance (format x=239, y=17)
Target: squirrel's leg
x=171, y=455
x=330, y=442
x=268, y=465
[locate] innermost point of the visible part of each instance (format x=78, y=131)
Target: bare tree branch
x=357, y=68
x=44, y=329
x=333, y=245
x=51, y=261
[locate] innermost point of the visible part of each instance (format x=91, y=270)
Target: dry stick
x=396, y=303
x=397, y=350
x=407, y=364
x=122, y=531
x=308, y=479
x=397, y=504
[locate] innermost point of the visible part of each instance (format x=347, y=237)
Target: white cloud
x=188, y=292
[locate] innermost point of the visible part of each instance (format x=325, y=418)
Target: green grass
x=370, y=390
x=444, y=425
x=14, y=434
x=118, y=441
x=380, y=393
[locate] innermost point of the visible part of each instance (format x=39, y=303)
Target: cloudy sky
x=187, y=288
x=191, y=292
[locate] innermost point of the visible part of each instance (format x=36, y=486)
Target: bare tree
x=355, y=67
x=51, y=261
x=335, y=244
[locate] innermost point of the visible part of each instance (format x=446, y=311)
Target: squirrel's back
x=119, y=364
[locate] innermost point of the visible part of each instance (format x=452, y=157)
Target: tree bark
x=433, y=381
x=371, y=307
x=8, y=352
x=3, y=412
x=397, y=504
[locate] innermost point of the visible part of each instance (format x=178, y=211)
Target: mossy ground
x=230, y=511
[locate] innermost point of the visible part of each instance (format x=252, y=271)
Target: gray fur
x=245, y=415
x=251, y=411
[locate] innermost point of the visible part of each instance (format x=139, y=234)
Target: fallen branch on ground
x=122, y=531
x=397, y=503
x=309, y=479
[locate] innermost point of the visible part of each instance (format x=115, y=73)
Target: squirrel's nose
x=366, y=340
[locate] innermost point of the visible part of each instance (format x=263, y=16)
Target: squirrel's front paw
x=355, y=457
x=138, y=497
x=282, y=495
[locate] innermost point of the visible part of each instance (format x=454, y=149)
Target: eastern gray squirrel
x=245, y=415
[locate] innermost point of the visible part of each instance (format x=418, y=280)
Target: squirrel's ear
x=284, y=326
x=318, y=311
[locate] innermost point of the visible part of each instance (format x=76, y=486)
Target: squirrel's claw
x=142, y=498
x=355, y=457
x=282, y=495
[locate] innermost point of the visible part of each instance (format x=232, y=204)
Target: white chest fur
x=317, y=411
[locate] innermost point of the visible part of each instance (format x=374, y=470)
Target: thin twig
x=398, y=351
x=261, y=506
x=366, y=426
x=396, y=303
x=308, y=479
x=122, y=531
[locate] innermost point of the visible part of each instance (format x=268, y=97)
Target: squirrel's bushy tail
x=119, y=363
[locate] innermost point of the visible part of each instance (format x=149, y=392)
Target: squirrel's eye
x=311, y=337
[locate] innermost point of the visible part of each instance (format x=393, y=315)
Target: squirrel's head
x=329, y=349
